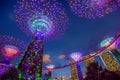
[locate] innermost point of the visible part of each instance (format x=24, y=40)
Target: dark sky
x=82, y=35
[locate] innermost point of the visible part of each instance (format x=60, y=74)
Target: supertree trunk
x=39, y=61
x=32, y=57
x=80, y=76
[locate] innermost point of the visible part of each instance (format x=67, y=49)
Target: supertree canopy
x=10, y=51
x=10, y=47
x=40, y=25
x=76, y=56
x=41, y=17
x=92, y=8
x=108, y=41
x=118, y=2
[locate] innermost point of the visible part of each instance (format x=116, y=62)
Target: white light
x=76, y=56
x=50, y=67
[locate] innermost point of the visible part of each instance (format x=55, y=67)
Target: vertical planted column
x=39, y=62
x=29, y=60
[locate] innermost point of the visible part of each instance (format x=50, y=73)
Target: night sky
x=82, y=35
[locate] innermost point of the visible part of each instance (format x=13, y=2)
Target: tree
x=10, y=74
x=96, y=72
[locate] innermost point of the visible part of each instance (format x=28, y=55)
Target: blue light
x=106, y=42
x=39, y=24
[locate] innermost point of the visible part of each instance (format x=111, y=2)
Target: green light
x=106, y=42
x=20, y=75
x=49, y=78
x=38, y=79
x=39, y=24
x=37, y=74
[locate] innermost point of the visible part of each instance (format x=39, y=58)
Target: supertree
x=92, y=8
x=50, y=69
x=76, y=57
x=10, y=47
x=44, y=20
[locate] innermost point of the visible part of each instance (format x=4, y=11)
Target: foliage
x=96, y=72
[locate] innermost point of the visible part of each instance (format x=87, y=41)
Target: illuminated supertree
x=10, y=47
x=50, y=69
x=76, y=57
x=92, y=8
x=108, y=41
x=44, y=20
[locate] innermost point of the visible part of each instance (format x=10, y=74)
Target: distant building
x=110, y=58
x=110, y=61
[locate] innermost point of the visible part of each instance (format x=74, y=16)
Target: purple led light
x=76, y=56
x=92, y=8
x=51, y=19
